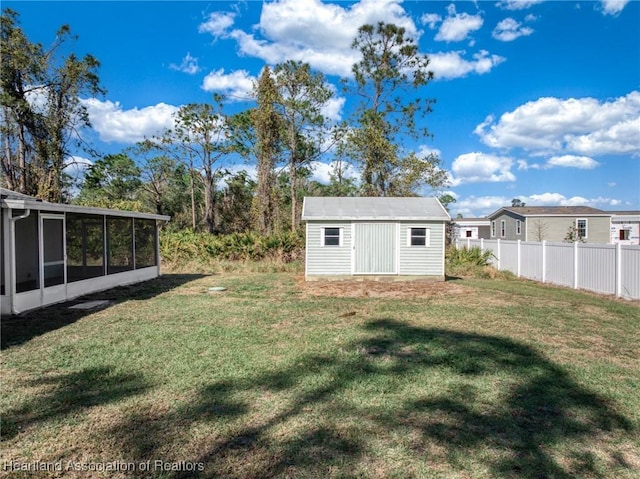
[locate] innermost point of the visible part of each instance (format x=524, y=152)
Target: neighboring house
x=473, y=228
x=53, y=252
x=550, y=223
x=374, y=237
x=625, y=227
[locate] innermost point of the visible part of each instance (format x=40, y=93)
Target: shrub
x=188, y=246
x=473, y=256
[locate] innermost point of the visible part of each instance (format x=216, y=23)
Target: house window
x=331, y=236
x=469, y=233
x=493, y=229
x=625, y=235
x=418, y=237
x=581, y=228
x=503, y=228
x=518, y=227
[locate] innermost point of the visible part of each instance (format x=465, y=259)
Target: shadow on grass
x=540, y=423
x=69, y=393
x=16, y=330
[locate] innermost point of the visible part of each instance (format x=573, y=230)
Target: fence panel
x=630, y=272
x=531, y=262
x=597, y=268
x=602, y=268
x=509, y=256
x=560, y=264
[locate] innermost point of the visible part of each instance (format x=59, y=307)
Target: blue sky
x=534, y=100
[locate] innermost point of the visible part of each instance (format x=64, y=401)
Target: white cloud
x=431, y=20
x=517, y=4
x=613, y=7
x=481, y=168
x=333, y=108
x=509, y=29
x=322, y=171
x=217, y=24
x=112, y=123
x=457, y=26
x=585, y=126
x=237, y=85
x=311, y=31
x=452, y=64
x=189, y=65
x=572, y=161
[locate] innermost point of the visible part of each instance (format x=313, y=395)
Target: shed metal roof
x=373, y=208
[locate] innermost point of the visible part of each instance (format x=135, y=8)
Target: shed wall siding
x=418, y=260
x=328, y=260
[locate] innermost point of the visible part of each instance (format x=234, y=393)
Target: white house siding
x=328, y=260
x=426, y=261
x=634, y=232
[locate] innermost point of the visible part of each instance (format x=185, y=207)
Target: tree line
x=184, y=171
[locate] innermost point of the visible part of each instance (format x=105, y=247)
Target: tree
x=266, y=125
x=517, y=203
x=390, y=67
x=540, y=229
x=573, y=235
x=301, y=94
x=111, y=181
x=41, y=109
x=200, y=138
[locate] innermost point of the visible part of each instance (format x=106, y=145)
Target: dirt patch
x=380, y=289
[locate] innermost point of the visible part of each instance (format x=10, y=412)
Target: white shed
x=53, y=252
x=375, y=237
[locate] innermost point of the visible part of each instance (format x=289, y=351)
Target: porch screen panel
x=2, y=289
x=27, y=252
x=119, y=244
x=85, y=246
x=53, y=249
x=145, y=243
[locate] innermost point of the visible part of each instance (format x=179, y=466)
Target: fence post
x=618, y=269
x=544, y=261
x=499, y=255
x=519, y=258
x=576, y=270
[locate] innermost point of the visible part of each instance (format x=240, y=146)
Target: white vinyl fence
x=602, y=268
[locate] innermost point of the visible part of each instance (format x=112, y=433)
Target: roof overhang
x=30, y=204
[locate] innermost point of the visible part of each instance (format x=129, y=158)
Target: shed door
x=375, y=248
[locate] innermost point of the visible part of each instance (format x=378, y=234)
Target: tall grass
x=204, y=248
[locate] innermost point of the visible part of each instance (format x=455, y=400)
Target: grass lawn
x=275, y=377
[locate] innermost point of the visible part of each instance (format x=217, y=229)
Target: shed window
x=518, y=227
x=332, y=236
x=418, y=237
x=503, y=228
x=493, y=229
x=581, y=228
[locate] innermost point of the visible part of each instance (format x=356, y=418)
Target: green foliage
x=473, y=256
x=249, y=246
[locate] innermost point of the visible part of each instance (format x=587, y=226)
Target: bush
x=464, y=256
x=188, y=246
